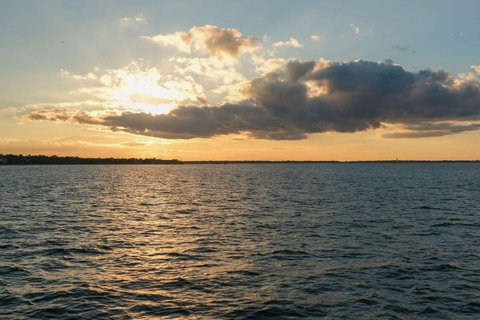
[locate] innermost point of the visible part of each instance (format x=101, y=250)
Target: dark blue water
x=333, y=241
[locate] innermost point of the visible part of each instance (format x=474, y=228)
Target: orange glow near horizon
x=367, y=145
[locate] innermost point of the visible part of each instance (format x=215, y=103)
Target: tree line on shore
x=42, y=159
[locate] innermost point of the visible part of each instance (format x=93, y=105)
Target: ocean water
x=266, y=241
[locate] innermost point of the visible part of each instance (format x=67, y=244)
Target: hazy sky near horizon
x=241, y=80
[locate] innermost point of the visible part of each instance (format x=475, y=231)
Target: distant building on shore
x=3, y=161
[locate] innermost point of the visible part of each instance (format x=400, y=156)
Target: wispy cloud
x=139, y=18
x=427, y=130
x=88, y=76
x=355, y=29
x=403, y=49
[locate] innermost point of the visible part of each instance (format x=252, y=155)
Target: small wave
x=150, y=297
x=7, y=231
x=202, y=250
x=159, y=310
x=181, y=284
x=458, y=224
x=275, y=310
x=88, y=250
x=319, y=289
x=428, y=208
x=433, y=312
x=8, y=246
x=13, y=270
x=11, y=300
x=182, y=256
x=289, y=255
x=48, y=313
x=471, y=308
x=441, y=268
x=186, y=211
x=146, y=204
x=367, y=301
x=244, y=273
x=444, y=224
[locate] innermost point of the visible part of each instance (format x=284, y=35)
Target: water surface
x=256, y=241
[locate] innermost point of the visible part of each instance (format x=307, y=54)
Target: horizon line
x=25, y=159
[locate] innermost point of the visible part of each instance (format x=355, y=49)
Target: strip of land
x=11, y=159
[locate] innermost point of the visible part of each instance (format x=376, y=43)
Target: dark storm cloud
x=355, y=96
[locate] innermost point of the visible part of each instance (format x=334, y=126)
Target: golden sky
x=122, y=84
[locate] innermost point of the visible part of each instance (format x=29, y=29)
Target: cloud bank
x=306, y=97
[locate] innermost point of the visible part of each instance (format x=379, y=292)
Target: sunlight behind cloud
x=137, y=88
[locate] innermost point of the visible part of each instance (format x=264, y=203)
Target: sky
x=241, y=80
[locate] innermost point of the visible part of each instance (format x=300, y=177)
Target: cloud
x=88, y=76
x=290, y=43
x=426, y=130
x=223, y=44
x=224, y=76
x=295, y=69
x=309, y=97
x=315, y=37
x=134, y=144
x=136, y=87
x=401, y=48
x=9, y=112
x=269, y=65
x=63, y=115
x=355, y=29
x=476, y=69
x=139, y=18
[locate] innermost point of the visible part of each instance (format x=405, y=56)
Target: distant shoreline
x=10, y=159
x=55, y=160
